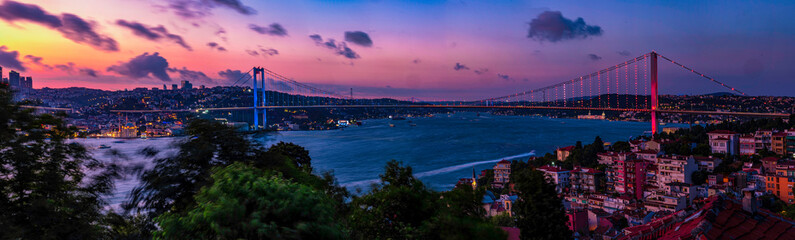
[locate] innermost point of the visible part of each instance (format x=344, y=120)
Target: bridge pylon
x=260, y=112
x=653, y=82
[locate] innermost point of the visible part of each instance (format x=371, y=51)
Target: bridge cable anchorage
x=702, y=75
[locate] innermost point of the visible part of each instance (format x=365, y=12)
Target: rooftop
x=722, y=132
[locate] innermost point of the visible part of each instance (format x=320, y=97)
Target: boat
x=391, y=125
x=103, y=146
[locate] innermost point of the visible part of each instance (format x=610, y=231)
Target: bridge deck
x=748, y=114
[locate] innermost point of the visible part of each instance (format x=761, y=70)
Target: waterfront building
x=560, y=177
x=747, y=145
x=724, y=141
x=630, y=177
x=564, y=152
x=780, y=182
x=502, y=173
x=585, y=179
x=675, y=169
x=707, y=163
x=762, y=140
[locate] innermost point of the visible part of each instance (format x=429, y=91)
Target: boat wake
x=445, y=169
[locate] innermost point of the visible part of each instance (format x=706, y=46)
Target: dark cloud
x=221, y=33
x=37, y=61
x=72, y=69
x=263, y=51
x=234, y=4
x=10, y=59
x=481, y=71
x=81, y=31
x=503, y=76
x=12, y=11
x=193, y=9
x=142, y=66
x=339, y=48
x=416, y=61
x=153, y=33
x=274, y=29
x=552, y=26
x=594, y=57
x=232, y=76
x=216, y=46
x=88, y=72
x=359, y=38
x=71, y=26
x=624, y=53
x=459, y=66
x=278, y=85
x=190, y=75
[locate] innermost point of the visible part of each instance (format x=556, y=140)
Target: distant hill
x=720, y=94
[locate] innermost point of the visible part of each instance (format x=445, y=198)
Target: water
x=440, y=149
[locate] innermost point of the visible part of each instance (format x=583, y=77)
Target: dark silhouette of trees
x=244, y=202
x=45, y=192
x=539, y=210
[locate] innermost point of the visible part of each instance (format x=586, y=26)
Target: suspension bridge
x=630, y=86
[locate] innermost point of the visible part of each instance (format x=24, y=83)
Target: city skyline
x=438, y=48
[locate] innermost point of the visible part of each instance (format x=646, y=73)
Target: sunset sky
x=447, y=49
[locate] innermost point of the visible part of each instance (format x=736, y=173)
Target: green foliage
x=585, y=156
x=503, y=220
x=174, y=180
x=401, y=207
x=247, y=203
x=487, y=179
x=621, y=146
x=699, y=177
x=539, y=211
x=129, y=227
x=298, y=154
x=44, y=191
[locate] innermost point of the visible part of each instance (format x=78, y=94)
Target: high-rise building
x=174, y=86
x=186, y=85
x=1, y=73
x=13, y=79
x=164, y=87
x=28, y=83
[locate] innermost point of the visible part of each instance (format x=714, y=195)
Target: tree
x=503, y=220
x=621, y=146
x=539, y=210
x=401, y=207
x=44, y=191
x=248, y=203
x=171, y=184
x=700, y=177
x=295, y=152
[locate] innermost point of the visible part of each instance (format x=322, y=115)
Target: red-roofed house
x=719, y=218
x=723, y=141
x=558, y=176
x=747, y=145
x=585, y=179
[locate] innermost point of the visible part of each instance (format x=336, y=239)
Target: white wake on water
x=445, y=169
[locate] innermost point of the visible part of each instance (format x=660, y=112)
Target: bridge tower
x=653, y=80
x=259, y=112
